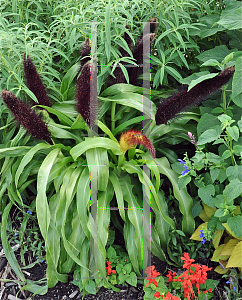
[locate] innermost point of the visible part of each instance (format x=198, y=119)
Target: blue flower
x=234, y=288
x=185, y=172
x=203, y=241
x=201, y=235
x=184, y=166
x=228, y=282
x=15, y=233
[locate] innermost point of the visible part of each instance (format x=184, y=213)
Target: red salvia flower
x=85, y=106
x=26, y=117
x=152, y=273
x=109, y=267
x=34, y=82
x=131, y=138
x=198, y=93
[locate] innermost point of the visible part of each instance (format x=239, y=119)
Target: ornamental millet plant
x=26, y=117
x=34, y=82
x=180, y=101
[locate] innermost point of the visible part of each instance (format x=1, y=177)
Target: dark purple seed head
x=26, y=117
x=34, y=82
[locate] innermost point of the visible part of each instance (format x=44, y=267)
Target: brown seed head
x=138, y=55
x=86, y=50
x=85, y=105
x=198, y=93
x=26, y=117
x=34, y=82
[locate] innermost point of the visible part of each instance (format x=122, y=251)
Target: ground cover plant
x=76, y=165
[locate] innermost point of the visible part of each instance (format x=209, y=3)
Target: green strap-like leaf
x=42, y=207
x=6, y=246
x=90, y=143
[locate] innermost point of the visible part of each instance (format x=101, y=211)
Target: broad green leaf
x=218, y=53
x=42, y=207
x=201, y=79
x=97, y=157
x=135, y=217
x=233, y=132
x=62, y=117
x=185, y=201
x=90, y=143
x=207, y=137
x=233, y=189
x=134, y=100
x=14, y=151
x=232, y=20
x=210, y=62
x=9, y=253
x=235, y=225
x=236, y=83
x=83, y=200
x=129, y=237
x=27, y=158
x=118, y=193
x=52, y=257
x=228, y=58
x=34, y=288
x=234, y=172
x=206, y=193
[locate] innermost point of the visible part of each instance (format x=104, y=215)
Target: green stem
x=121, y=159
x=113, y=116
x=231, y=147
x=224, y=99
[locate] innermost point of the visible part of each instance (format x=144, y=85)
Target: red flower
x=109, y=267
x=157, y=295
x=171, y=276
x=170, y=297
x=152, y=273
x=132, y=137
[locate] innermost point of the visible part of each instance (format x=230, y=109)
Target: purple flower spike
x=34, y=82
x=26, y=117
x=182, y=100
